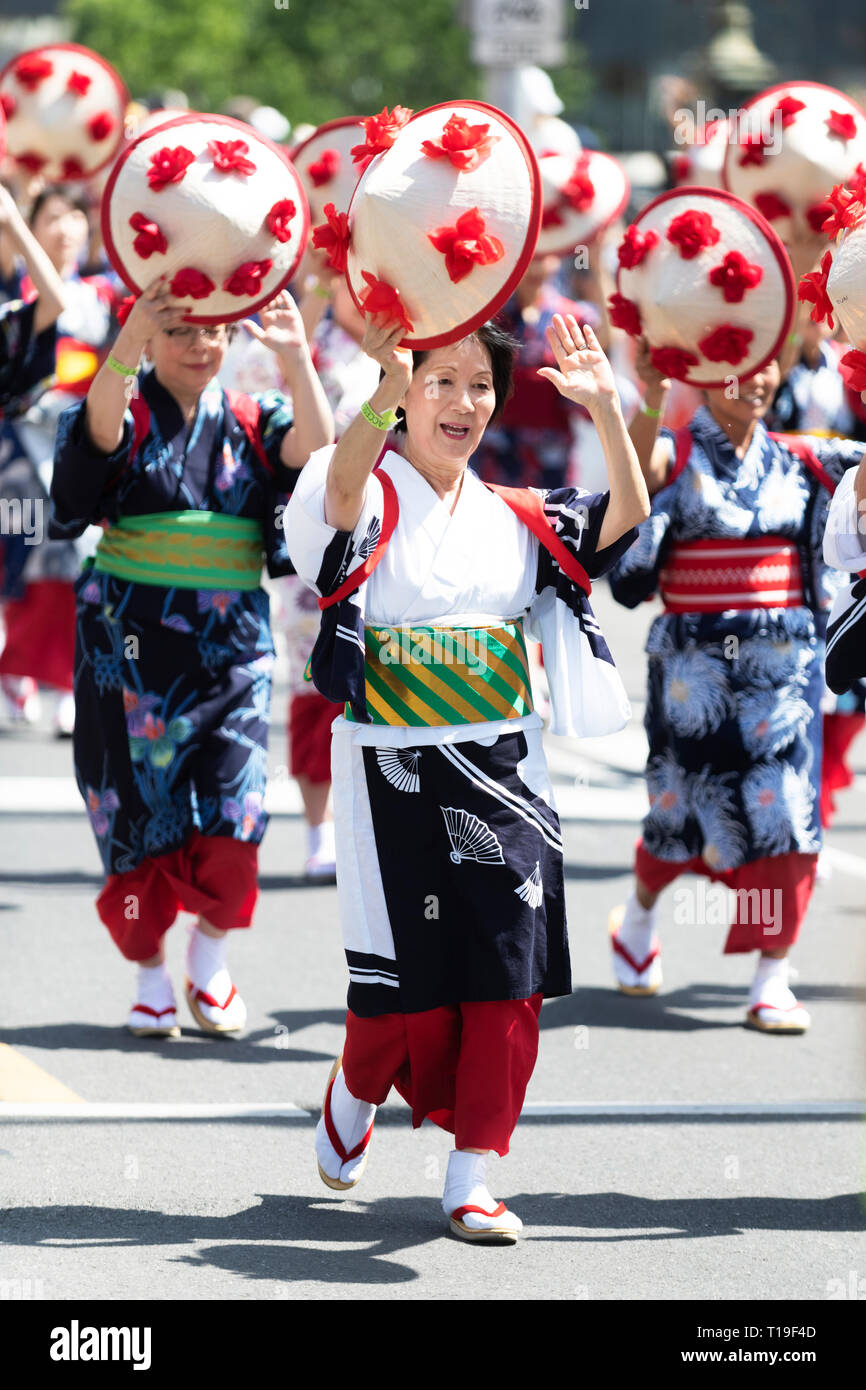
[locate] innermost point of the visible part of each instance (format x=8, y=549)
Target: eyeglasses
x=211, y=333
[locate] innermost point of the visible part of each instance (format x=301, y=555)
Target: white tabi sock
x=770, y=985
x=154, y=988
x=466, y=1183
x=206, y=965
x=320, y=842
x=638, y=928
x=352, y=1118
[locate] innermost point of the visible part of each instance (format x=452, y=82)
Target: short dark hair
x=502, y=351
x=57, y=190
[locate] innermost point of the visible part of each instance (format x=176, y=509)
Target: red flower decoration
x=624, y=313
x=691, y=232
x=817, y=215
x=465, y=145
x=771, y=206
x=78, y=83
x=332, y=237
x=72, y=169
x=813, y=289
x=727, y=344
x=125, y=308
x=101, y=126
x=853, y=370
x=31, y=69
x=150, y=239
x=247, y=279
x=382, y=298
x=279, y=219
x=230, y=157
x=8, y=103
x=191, y=284
x=843, y=210
x=30, y=161
x=842, y=123
x=168, y=166
x=736, y=275
x=753, y=148
x=323, y=169
x=380, y=131
x=551, y=216
x=466, y=245
x=680, y=167
x=580, y=190
x=634, y=246
x=671, y=361
x=788, y=106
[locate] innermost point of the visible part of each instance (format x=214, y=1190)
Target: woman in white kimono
x=449, y=849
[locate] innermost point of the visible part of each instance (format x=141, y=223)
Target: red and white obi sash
x=713, y=575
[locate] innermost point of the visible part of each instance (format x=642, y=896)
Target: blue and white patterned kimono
x=172, y=685
x=733, y=702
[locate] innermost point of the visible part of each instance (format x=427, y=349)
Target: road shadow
x=592, y=872
x=609, y=1008
x=192, y=1045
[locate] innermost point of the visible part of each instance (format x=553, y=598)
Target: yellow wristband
x=115, y=366
x=385, y=421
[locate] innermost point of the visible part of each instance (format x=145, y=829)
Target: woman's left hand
x=585, y=375
x=281, y=329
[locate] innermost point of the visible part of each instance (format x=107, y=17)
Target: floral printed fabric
x=172, y=686
x=733, y=702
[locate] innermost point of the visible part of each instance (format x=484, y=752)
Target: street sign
x=512, y=33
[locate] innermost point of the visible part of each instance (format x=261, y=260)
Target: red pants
x=40, y=634
x=211, y=875
x=310, y=720
x=756, y=922
x=840, y=731
x=464, y=1066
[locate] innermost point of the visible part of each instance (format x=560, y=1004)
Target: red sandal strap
x=202, y=998
x=154, y=1013
x=638, y=966
x=777, y=1008
x=461, y=1211
x=336, y=1141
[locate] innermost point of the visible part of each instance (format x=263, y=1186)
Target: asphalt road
x=666, y=1151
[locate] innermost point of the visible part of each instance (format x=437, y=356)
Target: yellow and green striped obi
x=446, y=675
x=184, y=550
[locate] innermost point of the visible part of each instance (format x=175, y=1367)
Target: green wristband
x=648, y=410
x=386, y=421
x=115, y=366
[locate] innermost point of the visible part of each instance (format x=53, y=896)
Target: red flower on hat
x=580, y=190
x=671, y=361
x=30, y=161
x=125, y=308
x=78, y=83
x=551, y=216
x=843, y=210
x=191, y=284
x=72, y=169
x=101, y=126
x=31, y=69
x=149, y=239
x=842, y=123
x=382, y=298
x=680, y=167
x=624, y=313
x=634, y=246
x=247, y=279
x=853, y=370
x=323, y=169
x=729, y=343
x=168, y=166
x=813, y=290
x=753, y=148
x=771, y=206
x=691, y=232
x=466, y=245
x=788, y=106
x=817, y=215
x=736, y=275
x=465, y=145
x=332, y=237
x=8, y=103
x=380, y=131
x=279, y=219
x=229, y=157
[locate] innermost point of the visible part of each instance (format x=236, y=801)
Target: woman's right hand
x=381, y=339
x=651, y=377
x=154, y=309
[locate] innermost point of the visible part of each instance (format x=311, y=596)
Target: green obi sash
x=446, y=675
x=184, y=550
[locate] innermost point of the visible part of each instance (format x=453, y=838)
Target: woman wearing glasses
x=173, y=646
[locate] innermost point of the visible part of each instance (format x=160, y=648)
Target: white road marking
x=846, y=863
x=591, y=1110
x=150, y=1110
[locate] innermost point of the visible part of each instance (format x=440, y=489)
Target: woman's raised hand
x=154, y=309
x=584, y=374
x=381, y=338
x=282, y=328
x=651, y=377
